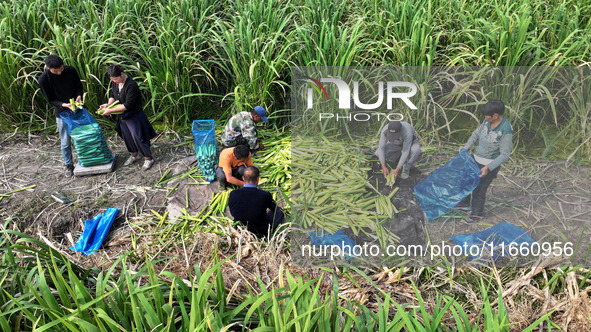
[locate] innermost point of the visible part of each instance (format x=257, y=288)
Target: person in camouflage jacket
x=241, y=129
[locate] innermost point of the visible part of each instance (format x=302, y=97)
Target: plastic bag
x=498, y=238
x=89, y=142
x=95, y=232
x=205, y=148
x=339, y=239
x=448, y=185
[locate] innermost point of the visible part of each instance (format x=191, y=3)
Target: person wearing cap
x=398, y=146
x=254, y=207
x=241, y=129
x=494, y=137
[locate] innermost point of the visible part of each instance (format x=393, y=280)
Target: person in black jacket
x=249, y=205
x=132, y=125
x=59, y=84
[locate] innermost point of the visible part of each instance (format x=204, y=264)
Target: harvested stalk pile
x=207, y=159
x=275, y=163
x=331, y=190
x=390, y=179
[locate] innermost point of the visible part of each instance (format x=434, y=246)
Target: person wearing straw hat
x=132, y=125
x=495, y=138
x=398, y=147
x=254, y=207
x=59, y=84
x=241, y=129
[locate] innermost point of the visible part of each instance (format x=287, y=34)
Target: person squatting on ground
x=132, y=125
x=398, y=146
x=59, y=84
x=241, y=129
x=233, y=162
x=494, y=137
x=254, y=207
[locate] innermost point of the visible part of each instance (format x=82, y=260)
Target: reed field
x=209, y=59
x=206, y=59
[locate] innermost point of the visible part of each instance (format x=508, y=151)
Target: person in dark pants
x=132, y=125
x=399, y=147
x=233, y=162
x=59, y=84
x=494, y=137
x=254, y=207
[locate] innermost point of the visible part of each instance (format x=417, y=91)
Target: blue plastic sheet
x=95, y=232
x=498, y=238
x=448, y=185
x=337, y=239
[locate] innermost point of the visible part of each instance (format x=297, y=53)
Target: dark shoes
x=69, y=171
x=473, y=219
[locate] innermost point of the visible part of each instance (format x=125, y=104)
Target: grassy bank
x=43, y=291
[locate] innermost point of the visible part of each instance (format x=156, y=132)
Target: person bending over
x=233, y=162
x=254, y=207
x=494, y=137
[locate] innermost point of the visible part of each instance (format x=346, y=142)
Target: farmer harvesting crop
x=233, y=162
x=249, y=205
x=398, y=146
x=59, y=84
x=241, y=129
x=494, y=137
x=132, y=123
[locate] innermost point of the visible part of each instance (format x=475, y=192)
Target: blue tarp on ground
x=448, y=185
x=337, y=239
x=95, y=232
x=498, y=237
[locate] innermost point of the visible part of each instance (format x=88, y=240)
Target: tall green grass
x=208, y=59
x=42, y=290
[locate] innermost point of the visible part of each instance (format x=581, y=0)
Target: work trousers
x=477, y=198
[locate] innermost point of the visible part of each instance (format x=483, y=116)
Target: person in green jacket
x=241, y=129
x=494, y=137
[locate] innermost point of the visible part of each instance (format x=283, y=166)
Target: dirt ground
x=30, y=160
x=549, y=200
